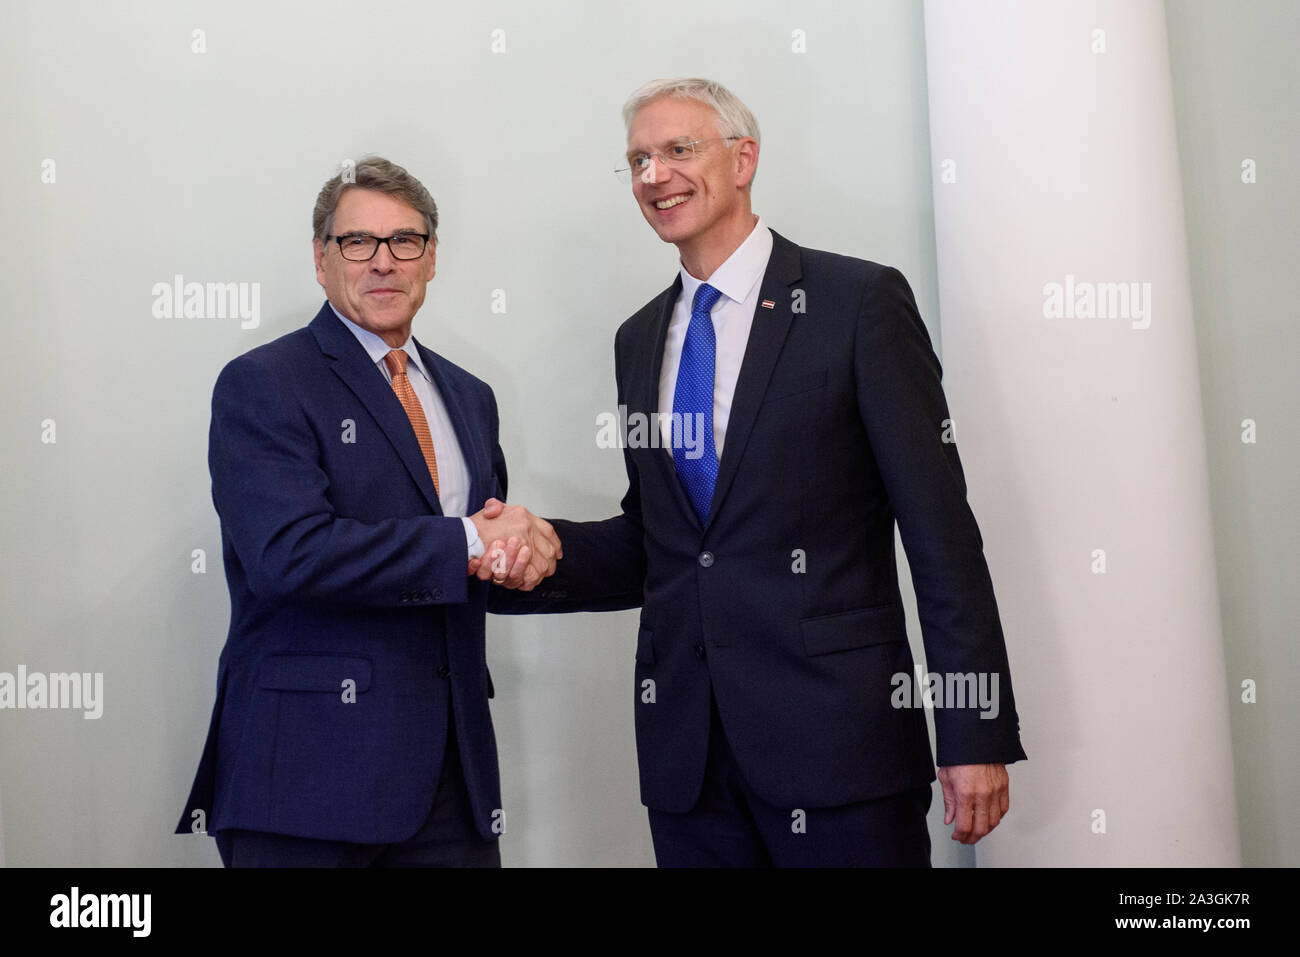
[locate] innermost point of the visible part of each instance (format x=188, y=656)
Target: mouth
x=382, y=292
x=669, y=202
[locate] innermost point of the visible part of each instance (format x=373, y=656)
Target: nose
x=656, y=171
x=383, y=260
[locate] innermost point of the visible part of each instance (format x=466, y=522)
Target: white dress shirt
x=739, y=280
x=453, y=474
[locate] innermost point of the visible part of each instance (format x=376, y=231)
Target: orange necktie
x=396, y=362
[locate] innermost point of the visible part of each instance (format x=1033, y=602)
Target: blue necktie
x=694, y=453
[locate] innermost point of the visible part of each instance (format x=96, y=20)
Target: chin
x=673, y=232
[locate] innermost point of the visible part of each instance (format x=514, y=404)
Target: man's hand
x=521, y=549
x=976, y=796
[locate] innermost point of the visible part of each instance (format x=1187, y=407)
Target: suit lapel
x=351, y=363
x=471, y=440
x=660, y=330
x=766, y=337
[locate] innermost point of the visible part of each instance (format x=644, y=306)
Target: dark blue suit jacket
x=342, y=568
x=786, y=603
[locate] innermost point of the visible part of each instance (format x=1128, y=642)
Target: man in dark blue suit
x=784, y=411
x=351, y=726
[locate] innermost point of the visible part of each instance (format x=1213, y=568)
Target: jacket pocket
x=308, y=672
x=645, y=646
x=846, y=630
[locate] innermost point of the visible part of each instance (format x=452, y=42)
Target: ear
x=433, y=259
x=318, y=254
x=746, y=161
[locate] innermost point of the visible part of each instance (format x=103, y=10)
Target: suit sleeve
x=499, y=479
x=902, y=406
x=270, y=492
x=603, y=568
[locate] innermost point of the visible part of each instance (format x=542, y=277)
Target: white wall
x=1235, y=80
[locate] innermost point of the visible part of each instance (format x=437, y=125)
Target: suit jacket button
x=699, y=652
x=444, y=671
x=706, y=559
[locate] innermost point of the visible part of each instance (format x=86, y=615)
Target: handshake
x=520, y=548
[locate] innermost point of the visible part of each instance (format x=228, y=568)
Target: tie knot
x=396, y=362
x=705, y=297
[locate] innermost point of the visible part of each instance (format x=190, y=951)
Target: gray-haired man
x=772, y=635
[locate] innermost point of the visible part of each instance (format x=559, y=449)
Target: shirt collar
x=377, y=348
x=736, y=277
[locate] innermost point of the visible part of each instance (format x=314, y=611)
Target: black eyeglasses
x=360, y=247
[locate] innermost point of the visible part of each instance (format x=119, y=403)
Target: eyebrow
x=365, y=232
x=684, y=138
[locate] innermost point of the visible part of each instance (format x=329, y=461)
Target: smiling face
x=700, y=205
x=383, y=294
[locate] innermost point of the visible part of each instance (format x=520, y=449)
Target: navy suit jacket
x=343, y=574
x=786, y=602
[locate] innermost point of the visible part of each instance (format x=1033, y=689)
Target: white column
x=1070, y=368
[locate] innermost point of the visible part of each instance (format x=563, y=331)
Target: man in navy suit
x=784, y=411
x=351, y=726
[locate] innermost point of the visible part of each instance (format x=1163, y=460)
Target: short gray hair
x=734, y=118
x=377, y=173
